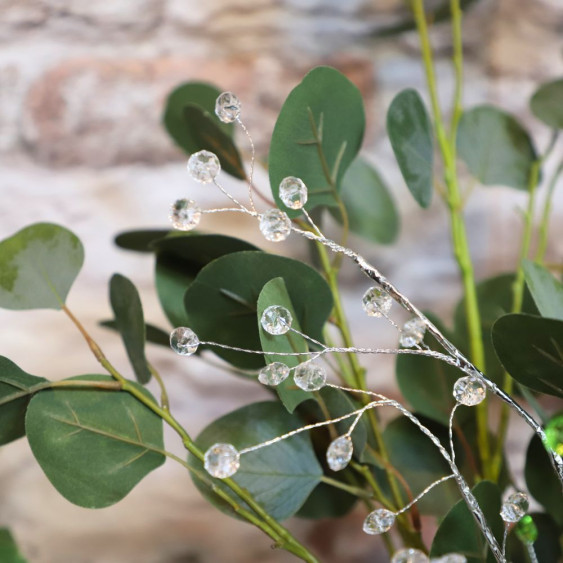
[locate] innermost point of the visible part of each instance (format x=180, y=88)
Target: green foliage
x=153, y=333
x=38, y=266
x=318, y=134
x=410, y=132
x=280, y=477
x=546, y=104
x=140, y=241
x=9, y=552
x=495, y=147
x=545, y=289
x=94, y=445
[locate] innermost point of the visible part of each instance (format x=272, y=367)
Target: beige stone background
x=82, y=85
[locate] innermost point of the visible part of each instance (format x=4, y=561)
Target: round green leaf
x=410, y=132
x=495, y=147
x=38, y=266
x=130, y=323
x=140, y=241
x=318, y=133
x=546, y=104
x=9, y=552
x=94, y=445
x=221, y=303
x=16, y=389
x=280, y=477
x=371, y=210
x=531, y=350
x=545, y=289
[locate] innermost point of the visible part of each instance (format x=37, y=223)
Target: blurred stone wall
x=82, y=85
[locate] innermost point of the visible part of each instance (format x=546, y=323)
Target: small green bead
x=526, y=530
x=554, y=433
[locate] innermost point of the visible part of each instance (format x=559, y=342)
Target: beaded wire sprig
x=223, y=460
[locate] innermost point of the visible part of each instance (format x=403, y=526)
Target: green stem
x=356, y=491
x=164, y=401
x=544, y=224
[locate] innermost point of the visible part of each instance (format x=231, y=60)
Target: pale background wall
x=82, y=85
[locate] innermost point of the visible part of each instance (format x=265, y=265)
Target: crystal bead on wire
x=450, y=558
x=221, y=460
x=310, y=376
x=412, y=333
x=275, y=225
x=469, y=391
x=184, y=341
x=339, y=453
x=379, y=521
x=409, y=555
x=514, y=507
x=227, y=107
x=185, y=214
x=293, y=192
x=276, y=320
x=204, y=166
x=273, y=374
x=376, y=302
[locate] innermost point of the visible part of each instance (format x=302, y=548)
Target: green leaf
x=9, y=552
x=140, y=241
x=542, y=481
x=16, y=389
x=94, y=445
x=38, y=266
x=531, y=350
x=546, y=104
x=221, y=303
x=495, y=147
x=327, y=501
x=154, y=334
x=279, y=477
x=130, y=323
x=371, y=210
x=545, y=289
x=179, y=258
x=318, y=133
x=459, y=533
x=410, y=132
x=274, y=292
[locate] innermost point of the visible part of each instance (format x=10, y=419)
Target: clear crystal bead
x=293, y=192
x=377, y=302
x=227, y=107
x=449, y=558
x=275, y=225
x=412, y=333
x=204, y=166
x=310, y=376
x=185, y=214
x=514, y=507
x=273, y=374
x=469, y=391
x=276, y=320
x=221, y=460
x=184, y=341
x=409, y=555
x=339, y=453
x=378, y=521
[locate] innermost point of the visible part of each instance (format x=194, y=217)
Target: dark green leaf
x=280, y=477
x=130, y=323
x=221, y=302
x=16, y=388
x=94, y=445
x=153, y=333
x=546, y=104
x=179, y=258
x=545, y=289
x=275, y=293
x=459, y=533
x=371, y=210
x=495, y=147
x=410, y=132
x=140, y=241
x=38, y=266
x=9, y=552
x=327, y=501
x=325, y=107
x=531, y=350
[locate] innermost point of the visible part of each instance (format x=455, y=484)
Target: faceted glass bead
x=469, y=391
x=185, y=215
x=276, y=320
x=412, y=333
x=275, y=225
x=204, y=167
x=339, y=453
x=293, y=192
x=379, y=521
x=221, y=460
x=273, y=374
x=449, y=558
x=227, y=107
x=554, y=433
x=310, y=377
x=514, y=507
x=376, y=302
x=409, y=555
x=526, y=530
x=184, y=341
